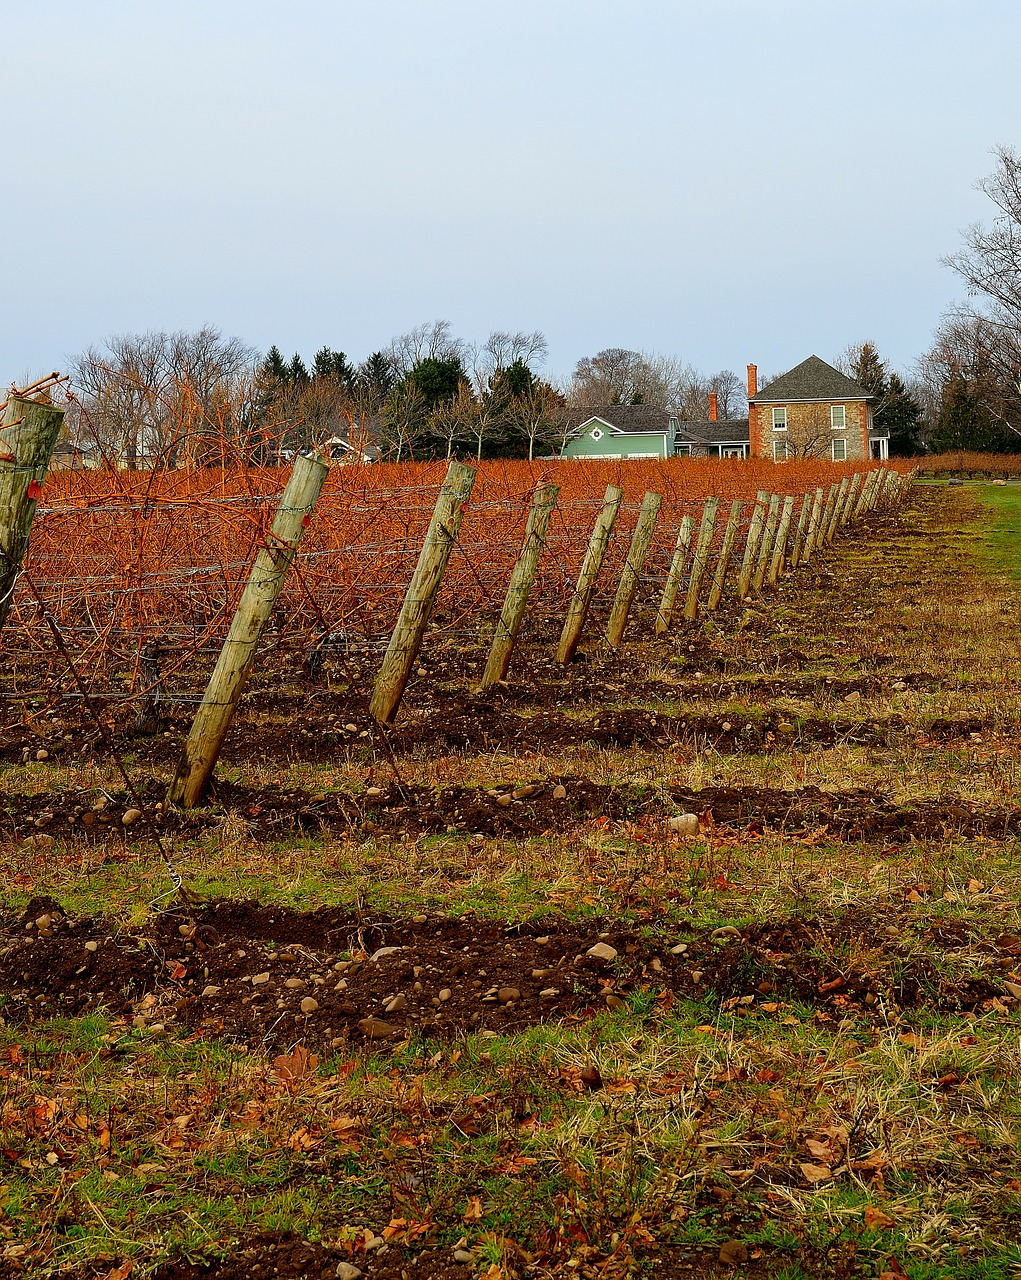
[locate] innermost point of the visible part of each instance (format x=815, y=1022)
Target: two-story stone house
x=812, y=411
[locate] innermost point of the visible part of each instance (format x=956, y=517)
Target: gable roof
x=719, y=431
x=812, y=379
x=639, y=418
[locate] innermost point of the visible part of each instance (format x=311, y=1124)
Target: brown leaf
x=120, y=1273
x=819, y=1150
x=473, y=1212
x=296, y=1066
x=876, y=1219
x=815, y=1173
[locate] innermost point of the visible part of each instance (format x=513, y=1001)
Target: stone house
x=812, y=411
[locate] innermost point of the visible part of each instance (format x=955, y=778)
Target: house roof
x=723, y=431
x=638, y=418
x=812, y=379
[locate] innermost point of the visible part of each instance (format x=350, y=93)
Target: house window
x=779, y=449
x=840, y=450
x=838, y=417
x=596, y=434
x=780, y=419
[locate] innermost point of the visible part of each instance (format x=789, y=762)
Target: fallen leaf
x=820, y=1150
x=815, y=1173
x=296, y=1066
x=876, y=1219
x=474, y=1210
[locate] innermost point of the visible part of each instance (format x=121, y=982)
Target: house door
x=880, y=448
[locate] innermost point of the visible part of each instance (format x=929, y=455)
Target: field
x=457, y=999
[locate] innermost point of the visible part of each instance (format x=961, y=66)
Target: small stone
x=899, y=685
x=549, y=992
x=785, y=726
x=540, y=973
x=656, y=964
x=541, y=942
x=679, y=950
x=288, y=956
x=341, y=965
x=520, y=793
x=463, y=1257
x=309, y=1005
x=614, y=1001
x=727, y=726
x=853, y=696
x=421, y=671
x=506, y=995
x=696, y=975
x=348, y=1271
x=420, y=919
x=294, y=983
x=351, y=728
x=43, y=922
x=376, y=1029
x=397, y=1005
x=138, y=1021
x=157, y=1029
x=602, y=951
x=445, y=994
x=92, y=945
x=130, y=817
x=341, y=985
x=559, y=793
x=211, y=990
x=727, y=931
x=504, y=800
x=259, y=978
x=417, y=988
x=373, y=791
x=684, y=824
x=42, y=754
x=382, y=952
x=186, y=930
x=733, y=1252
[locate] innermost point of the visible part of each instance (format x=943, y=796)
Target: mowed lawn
x=1003, y=545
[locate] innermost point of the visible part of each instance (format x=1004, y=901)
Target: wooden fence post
x=832, y=509
x=726, y=551
x=802, y=531
x=522, y=576
x=577, y=610
x=633, y=566
x=864, y=503
x=212, y=720
x=673, y=578
x=814, y=522
x=700, y=560
x=847, y=514
x=406, y=638
x=780, y=547
x=827, y=516
x=751, y=546
x=767, y=541
x=29, y=432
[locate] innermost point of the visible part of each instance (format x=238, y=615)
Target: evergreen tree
x=274, y=367
x=296, y=370
x=437, y=381
x=333, y=364
x=901, y=414
x=376, y=378
x=869, y=371
x=962, y=424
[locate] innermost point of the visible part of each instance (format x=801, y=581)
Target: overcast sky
x=727, y=181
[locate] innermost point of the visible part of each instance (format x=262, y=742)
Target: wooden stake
x=847, y=514
x=673, y=579
x=767, y=542
x=522, y=576
x=814, y=524
x=751, y=546
x=29, y=432
x=406, y=638
x=862, y=505
x=831, y=528
x=577, y=610
x=726, y=551
x=802, y=532
x=780, y=546
x=640, y=540
x=700, y=560
x=265, y=581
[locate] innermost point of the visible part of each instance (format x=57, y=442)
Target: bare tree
x=433, y=341
x=540, y=417
x=501, y=350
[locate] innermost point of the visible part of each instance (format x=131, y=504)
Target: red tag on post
x=306, y=521
x=35, y=489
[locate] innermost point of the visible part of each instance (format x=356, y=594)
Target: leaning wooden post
x=522, y=576
x=767, y=542
x=780, y=546
x=577, y=610
x=726, y=551
x=827, y=515
x=814, y=522
x=847, y=514
x=673, y=578
x=802, y=531
x=406, y=638
x=633, y=565
x=864, y=503
x=751, y=546
x=831, y=528
x=29, y=432
x=208, y=730
x=700, y=560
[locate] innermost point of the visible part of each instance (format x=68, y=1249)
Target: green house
x=622, y=431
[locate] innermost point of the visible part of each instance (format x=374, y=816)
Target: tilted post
x=847, y=514
x=29, y=432
x=700, y=560
x=751, y=546
x=212, y=720
x=628, y=584
x=780, y=546
x=867, y=499
x=522, y=576
x=814, y=523
x=827, y=516
x=802, y=531
x=831, y=528
x=767, y=542
x=733, y=528
x=577, y=610
x=673, y=578
x=406, y=638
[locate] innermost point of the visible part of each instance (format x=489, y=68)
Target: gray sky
x=727, y=181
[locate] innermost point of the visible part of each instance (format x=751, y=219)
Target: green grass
x=1003, y=523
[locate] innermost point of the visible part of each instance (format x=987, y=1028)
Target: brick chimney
x=753, y=380
x=714, y=407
